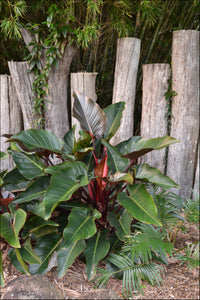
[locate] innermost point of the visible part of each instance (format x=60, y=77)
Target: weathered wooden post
x=23, y=81
x=11, y=116
x=126, y=67
x=185, y=109
x=153, y=121
x=196, y=177
x=84, y=83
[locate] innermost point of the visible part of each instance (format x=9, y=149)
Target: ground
x=179, y=282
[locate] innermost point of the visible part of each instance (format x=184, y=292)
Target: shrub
x=87, y=204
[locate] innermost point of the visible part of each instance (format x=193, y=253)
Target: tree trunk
x=11, y=117
x=56, y=114
x=23, y=81
x=153, y=121
x=126, y=67
x=84, y=83
x=185, y=109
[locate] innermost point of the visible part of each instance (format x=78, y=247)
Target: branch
x=27, y=37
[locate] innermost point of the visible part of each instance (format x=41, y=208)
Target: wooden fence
x=181, y=161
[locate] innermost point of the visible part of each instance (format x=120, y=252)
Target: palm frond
x=133, y=274
x=146, y=241
x=191, y=256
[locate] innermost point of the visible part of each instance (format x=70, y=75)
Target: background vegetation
x=95, y=26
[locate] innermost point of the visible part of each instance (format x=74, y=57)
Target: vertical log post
x=185, y=109
x=11, y=116
x=153, y=121
x=196, y=176
x=56, y=114
x=126, y=67
x=84, y=83
x=23, y=81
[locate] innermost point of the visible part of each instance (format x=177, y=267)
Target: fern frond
x=133, y=274
x=144, y=242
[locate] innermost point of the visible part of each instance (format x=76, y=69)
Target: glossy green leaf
x=143, y=146
x=140, y=204
x=30, y=166
x=91, y=117
x=115, y=161
x=154, y=175
x=69, y=141
x=97, y=248
x=35, y=190
x=66, y=256
x=121, y=224
x=121, y=147
x=113, y=114
x=80, y=225
x=63, y=184
x=37, y=139
x=11, y=225
x=14, y=180
x=28, y=254
x=2, y=282
x=44, y=248
x=18, y=262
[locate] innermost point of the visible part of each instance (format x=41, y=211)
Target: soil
x=178, y=281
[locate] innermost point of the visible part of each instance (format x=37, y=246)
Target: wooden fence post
x=11, y=116
x=185, y=109
x=153, y=121
x=23, y=81
x=84, y=83
x=196, y=177
x=126, y=67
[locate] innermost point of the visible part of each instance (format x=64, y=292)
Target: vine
x=169, y=97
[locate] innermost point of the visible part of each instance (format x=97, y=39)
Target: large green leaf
x=15, y=181
x=80, y=225
x=91, y=117
x=122, y=224
x=30, y=166
x=154, y=175
x=37, y=139
x=140, y=204
x=35, y=190
x=97, y=248
x=115, y=161
x=113, y=114
x=63, y=184
x=28, y=254
x=44, y=248
x=37, y=226
x=69, y=141
x=121, y=147
x=17, y=261
x=143, y=146
x=66, y=256
x=11, y=225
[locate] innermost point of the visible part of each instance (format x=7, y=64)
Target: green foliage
x=191, y=256
x=191, y=210
x=88, y=202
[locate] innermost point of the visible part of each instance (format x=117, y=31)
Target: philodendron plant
x=87, y=204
